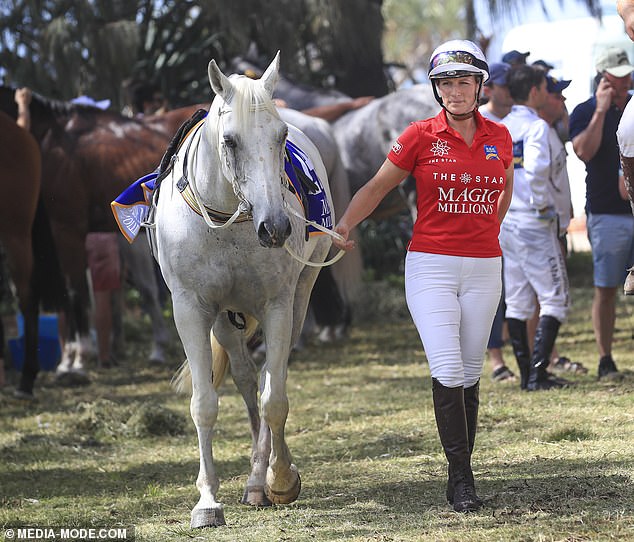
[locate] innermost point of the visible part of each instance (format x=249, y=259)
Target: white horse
x=215, y=267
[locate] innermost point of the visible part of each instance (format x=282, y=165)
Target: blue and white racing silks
x=531, y=158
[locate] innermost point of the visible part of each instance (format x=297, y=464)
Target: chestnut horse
x=89, y=157
x=26, y=237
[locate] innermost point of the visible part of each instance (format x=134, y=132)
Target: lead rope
x=319, y=227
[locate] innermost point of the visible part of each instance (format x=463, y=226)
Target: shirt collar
x=439, y=123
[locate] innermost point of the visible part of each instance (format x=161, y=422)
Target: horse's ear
x=219, y=82
x=271, y=75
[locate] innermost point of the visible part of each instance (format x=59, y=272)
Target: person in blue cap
x=496, y=92
x=498, y=105
x=534, y=267
x=515, y=58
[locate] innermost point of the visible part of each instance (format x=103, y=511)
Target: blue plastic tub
x=49, y=351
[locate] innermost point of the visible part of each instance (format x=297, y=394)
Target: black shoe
x=608, y=370
x=547, y=382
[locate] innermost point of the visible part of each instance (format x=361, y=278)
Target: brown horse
x=89, y=157
x=26, y=237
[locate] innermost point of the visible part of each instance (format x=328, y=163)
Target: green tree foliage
x=63, y=48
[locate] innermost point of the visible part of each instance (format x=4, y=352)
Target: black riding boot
x=545, y=335
x=521, y=349
x=471, y=406
x=451, y=419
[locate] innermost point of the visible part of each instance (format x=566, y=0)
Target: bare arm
x=586, y=144
x=332, y=112
x=23, y=99
x=504, y=201
x=367, y=199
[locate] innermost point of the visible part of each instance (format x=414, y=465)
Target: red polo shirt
x=457, y=186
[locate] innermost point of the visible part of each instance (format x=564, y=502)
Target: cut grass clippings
x=551, y=466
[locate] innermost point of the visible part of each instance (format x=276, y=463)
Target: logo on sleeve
x=518, y=154
x=491, y=152
x=397, y=147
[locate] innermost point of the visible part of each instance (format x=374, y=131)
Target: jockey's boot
x=545, y=335
x=519, y=341
x=451, y=419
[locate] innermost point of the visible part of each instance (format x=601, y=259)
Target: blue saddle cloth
x=132, y=206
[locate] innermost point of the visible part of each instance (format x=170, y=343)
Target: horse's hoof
x=255, y=496
x=285, y=497
x=207, y=517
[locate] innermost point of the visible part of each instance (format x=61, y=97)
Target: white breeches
x=452, y=300
x=534, y=269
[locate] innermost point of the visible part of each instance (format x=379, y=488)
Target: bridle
x=218, y=219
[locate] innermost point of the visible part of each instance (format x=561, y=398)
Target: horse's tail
x=48, y=280
x=182, y=380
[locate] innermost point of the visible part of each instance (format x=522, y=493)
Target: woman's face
x=459, y=94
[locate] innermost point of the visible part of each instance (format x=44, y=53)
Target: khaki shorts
x=104, y=262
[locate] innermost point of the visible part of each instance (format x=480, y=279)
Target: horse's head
x=250, y=139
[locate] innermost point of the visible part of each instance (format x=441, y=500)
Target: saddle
x=167, y=162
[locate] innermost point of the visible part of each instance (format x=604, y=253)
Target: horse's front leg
x=283, y=483
x=245, y=375
x=193, y=324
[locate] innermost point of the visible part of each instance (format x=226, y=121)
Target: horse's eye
x=230, y=142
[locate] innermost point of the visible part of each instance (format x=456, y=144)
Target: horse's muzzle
x=273, y=233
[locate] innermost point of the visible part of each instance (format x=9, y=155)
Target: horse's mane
x=250, y=96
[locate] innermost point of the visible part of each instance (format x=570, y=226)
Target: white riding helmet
x=457, y=58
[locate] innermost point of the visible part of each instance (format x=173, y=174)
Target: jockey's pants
x=452, y=300
x=534, y=268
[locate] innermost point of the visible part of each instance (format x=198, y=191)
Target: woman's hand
x=344, y=243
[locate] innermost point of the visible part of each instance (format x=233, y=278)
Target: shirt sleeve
x=579, y=119
x=537, y=164
x=404, y=150
x=507, y=149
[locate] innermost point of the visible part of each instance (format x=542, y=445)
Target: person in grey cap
x=593, y=126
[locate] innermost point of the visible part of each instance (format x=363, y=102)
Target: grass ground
x=551, y=466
